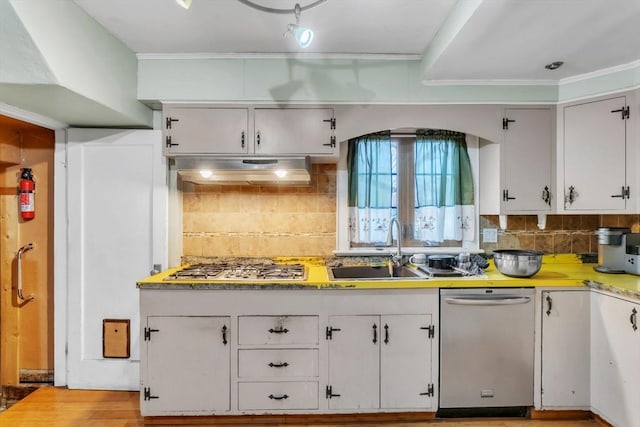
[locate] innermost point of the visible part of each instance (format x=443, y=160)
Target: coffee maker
x=612, y=250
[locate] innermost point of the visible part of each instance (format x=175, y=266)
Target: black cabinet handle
x=279, y=330
x=386, y=334
x=278, y=365
x=284, y=396
x=242, y=139
x=258, y=138
x=549, y=305
x=375, y=333
x=634, y=319
x=224, y=334
x=572, y=195
x=546, y=195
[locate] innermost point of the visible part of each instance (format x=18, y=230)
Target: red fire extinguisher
x=27, y=194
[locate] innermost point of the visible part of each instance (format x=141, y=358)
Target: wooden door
x=116, y=219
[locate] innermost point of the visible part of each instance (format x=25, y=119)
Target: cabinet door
x=205, y=131
x=354, y=362
x=565, y=349
x=405, y=361
x=293, y=131
x=595, y=155
x=526, y=160
x=615, y=351
x=187, y=365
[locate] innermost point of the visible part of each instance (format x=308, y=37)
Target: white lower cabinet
x=565, y=349
x=230, y=352
x=187, y=365
x=615, y=359
x=380, y=362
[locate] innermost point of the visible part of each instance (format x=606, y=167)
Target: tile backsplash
x=261, y=221
x=270, y=221
x=562, y=234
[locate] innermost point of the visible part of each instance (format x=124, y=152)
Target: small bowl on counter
x=517, y=262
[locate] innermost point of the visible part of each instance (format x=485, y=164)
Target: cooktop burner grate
x=231, y=271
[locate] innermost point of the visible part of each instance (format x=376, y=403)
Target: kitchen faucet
x=397, y=258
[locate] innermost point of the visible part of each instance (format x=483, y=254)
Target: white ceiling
x=503, y=39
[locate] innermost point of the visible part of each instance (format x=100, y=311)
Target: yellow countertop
x=563, y=270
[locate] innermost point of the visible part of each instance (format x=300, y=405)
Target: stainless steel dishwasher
x=486, y=351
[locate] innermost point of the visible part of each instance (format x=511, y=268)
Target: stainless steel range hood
x=245, y=170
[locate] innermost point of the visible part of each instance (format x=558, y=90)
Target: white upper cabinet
x=205, y=130
x=595, y=156
x=191, y=130
x=294, y=131
x=526, y=160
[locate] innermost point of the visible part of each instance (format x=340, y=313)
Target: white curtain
x=369, y=225
x=437, y=224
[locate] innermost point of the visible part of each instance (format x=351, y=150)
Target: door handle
x=21, y=251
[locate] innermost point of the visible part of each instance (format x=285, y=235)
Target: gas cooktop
x=245, y=272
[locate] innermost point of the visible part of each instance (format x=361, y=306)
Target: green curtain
x=443, y=174
x=372, y=169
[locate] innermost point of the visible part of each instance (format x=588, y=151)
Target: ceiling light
x=184, y=3
x=281, y=173
x=303, y=36
x=554, y=65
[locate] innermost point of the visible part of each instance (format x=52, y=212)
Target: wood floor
x=57, y=407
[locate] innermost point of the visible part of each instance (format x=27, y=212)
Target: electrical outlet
x=490, y=235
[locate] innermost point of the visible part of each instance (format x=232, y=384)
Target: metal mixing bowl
x=517, y=262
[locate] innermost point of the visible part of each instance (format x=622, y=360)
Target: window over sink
x=424, y=178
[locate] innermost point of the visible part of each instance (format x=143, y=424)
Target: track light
x=303, y=36
x=184, y=3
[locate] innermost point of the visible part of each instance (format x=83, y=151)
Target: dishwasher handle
x=507, y=300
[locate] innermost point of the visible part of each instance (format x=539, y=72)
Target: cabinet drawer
x=278, y=363
x=278, y=395
x=278, y=330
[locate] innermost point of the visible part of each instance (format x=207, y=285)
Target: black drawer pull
x=278, y=331
x=278, y=365
x=283, y=397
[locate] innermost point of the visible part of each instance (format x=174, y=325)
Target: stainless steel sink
x=369, y=272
